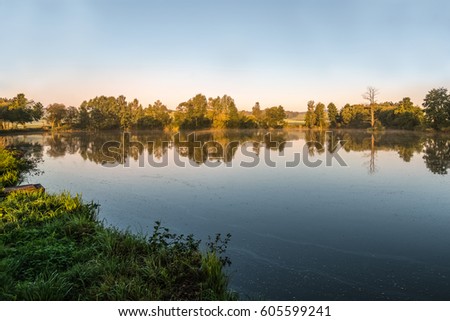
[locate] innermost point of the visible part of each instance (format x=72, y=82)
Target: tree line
x=104, y=113
x=435, y=149
x=19, y=110
x=199, y=112
x=396, y=115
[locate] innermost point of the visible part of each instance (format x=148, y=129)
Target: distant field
x=294, y=122
x=34, y=125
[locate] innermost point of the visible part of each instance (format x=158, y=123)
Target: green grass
x=52, y=247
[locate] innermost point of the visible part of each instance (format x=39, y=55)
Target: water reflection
x=222, y=146
x=437, y=155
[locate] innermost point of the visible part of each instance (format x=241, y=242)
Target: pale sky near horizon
x=275, y=52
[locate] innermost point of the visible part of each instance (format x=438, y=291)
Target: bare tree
x=371, y=95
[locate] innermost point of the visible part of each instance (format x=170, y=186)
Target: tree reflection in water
x=221, y=146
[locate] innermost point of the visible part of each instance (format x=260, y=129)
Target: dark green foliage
x=55, y=113
x=310, y=117
x=355, y=116
x=149, y=122
x=12, y=165
x=247, y=122
x=401, y=115
x=258, y=114
x=320, y=115
x=437, y=155
x=333, y=115
x=222, y=112
x=155, y=116
x=274, y=117
x=192, y=113
x=437, y=108
x=19, y=110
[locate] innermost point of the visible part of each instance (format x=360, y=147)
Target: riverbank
x=41, y=130
x=53, y=247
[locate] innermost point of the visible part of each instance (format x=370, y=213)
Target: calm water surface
x=378, y=228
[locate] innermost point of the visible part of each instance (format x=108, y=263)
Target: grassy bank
x=52, y=247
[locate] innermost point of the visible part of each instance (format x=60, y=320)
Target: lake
x=343, y=215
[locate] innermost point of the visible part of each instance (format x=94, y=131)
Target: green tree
x=258, y=114
x=137, y=114
x=274, y=117
x=437, y=108
x=37, y=111
x=104, y=112
x=355, y=116
x=71, y=117
x=332, y=114
x=156, y=116
x=55, y=113
x=246, y=121
x=346, y=114
x=320, y=115
x=4, y=103
x=160, y=112
x=20, y=110
x=225, y=112
x=406, y=115
x=310, y=117
x=404, y=106
x=192, y=113
x=199, y=107
x=84, y=117
x=214, y=109
x=126, y=111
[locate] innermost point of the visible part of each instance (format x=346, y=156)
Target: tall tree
x=371, y=95
x=214, y=109
x=55, y=113
x=346, y=114
x=226, y=115
x=104, y=112
x=403, y=115
x=84, y=117
x=320, y=115
x=192, y=113
x=37, y=111
x=332, y=114
x=199, y=107
x=310, y=117
x=4, y=103
x=126, y=111
x=20, y=110
x=156, y=116
x=257, y=113
x=161, y=113
x=437, y=108
x=274, y=117
x=71, y=117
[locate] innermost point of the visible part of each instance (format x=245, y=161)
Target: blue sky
x=274, y=52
